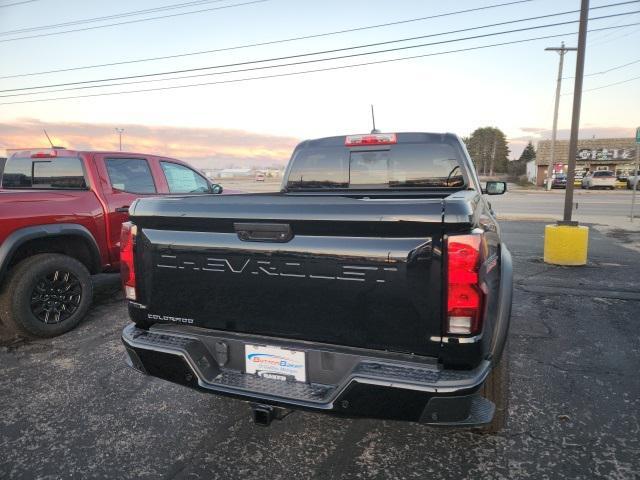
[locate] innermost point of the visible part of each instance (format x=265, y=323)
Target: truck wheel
x=45, y=295
x=496, y=389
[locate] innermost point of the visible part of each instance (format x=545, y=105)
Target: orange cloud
x=204, y=147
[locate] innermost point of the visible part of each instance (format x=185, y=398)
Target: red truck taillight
x=127, y=268
x=372, y=139
x=45, y=154
x=464, y=296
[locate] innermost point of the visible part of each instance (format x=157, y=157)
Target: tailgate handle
x=263, y=232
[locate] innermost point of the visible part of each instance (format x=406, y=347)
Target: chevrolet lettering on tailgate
x=281, y=268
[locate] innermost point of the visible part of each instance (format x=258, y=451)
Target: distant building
x=270, y=172
x=615, y=154
x=532, y=171
x=235, y=172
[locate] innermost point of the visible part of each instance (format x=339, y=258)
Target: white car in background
x=599, y=179
x=631, y=180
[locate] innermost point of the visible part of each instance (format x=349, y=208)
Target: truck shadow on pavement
x=72, y=408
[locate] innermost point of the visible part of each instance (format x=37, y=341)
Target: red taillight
x=45, y=154
x=127, y=268
x=464, y=296
x=373, y=139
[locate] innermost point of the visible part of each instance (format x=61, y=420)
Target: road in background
x=606, y=208
x=249, y=185
x=590, y=203
x=72, y=409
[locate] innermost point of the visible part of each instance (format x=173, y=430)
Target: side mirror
x=216, y=188
x=495, y=188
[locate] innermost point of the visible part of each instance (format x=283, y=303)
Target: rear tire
x=45, y=295
x=496, y=389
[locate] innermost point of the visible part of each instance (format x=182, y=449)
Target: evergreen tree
x=529, y=153
x=518, y=167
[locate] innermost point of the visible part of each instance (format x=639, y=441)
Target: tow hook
x=263, y=415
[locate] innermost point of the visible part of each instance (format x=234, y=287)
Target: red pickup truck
x=61, y=213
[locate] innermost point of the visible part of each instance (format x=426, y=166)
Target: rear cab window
x=132, y=175
x=52, y=173
x=603, y=174
x=416, y=161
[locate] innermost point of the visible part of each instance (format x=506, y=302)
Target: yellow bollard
x=566, y=245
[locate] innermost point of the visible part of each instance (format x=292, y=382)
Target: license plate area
x=275, y=363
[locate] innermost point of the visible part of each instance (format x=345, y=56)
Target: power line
x=288, y=74
x=603, y=35
x=272, y=42
x=608, y=40
x=125, y=62
x=612, y=84
x=608, y=69
x=110, y=17
x=17, y=3
x=133, y=21
x=473, y=37
x=234, y=71
x=606, y=86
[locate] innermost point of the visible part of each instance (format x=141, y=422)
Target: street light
x=120, y=131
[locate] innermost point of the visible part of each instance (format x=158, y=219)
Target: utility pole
x=561, y=51
x=373, y=119
x=636, y=174
x=120, y=131
x=575, y=116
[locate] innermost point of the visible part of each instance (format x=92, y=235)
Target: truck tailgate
x=346, y=271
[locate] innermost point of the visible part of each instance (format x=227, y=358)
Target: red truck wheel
x=45, y=295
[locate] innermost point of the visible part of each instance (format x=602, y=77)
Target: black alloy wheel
x=56, y=296
x=45, y=295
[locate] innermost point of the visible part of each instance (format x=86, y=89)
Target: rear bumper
x=342, y=381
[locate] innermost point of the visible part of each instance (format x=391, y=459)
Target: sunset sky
x=260, y=120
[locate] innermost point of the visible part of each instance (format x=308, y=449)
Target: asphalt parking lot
x=72, y=409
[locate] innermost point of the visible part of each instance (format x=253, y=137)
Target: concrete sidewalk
x=618, y=228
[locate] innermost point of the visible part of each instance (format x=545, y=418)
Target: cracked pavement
x=72, y=409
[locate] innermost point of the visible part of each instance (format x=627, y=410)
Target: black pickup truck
x=375, y=284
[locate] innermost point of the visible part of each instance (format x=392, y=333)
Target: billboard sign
x=605, y=154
